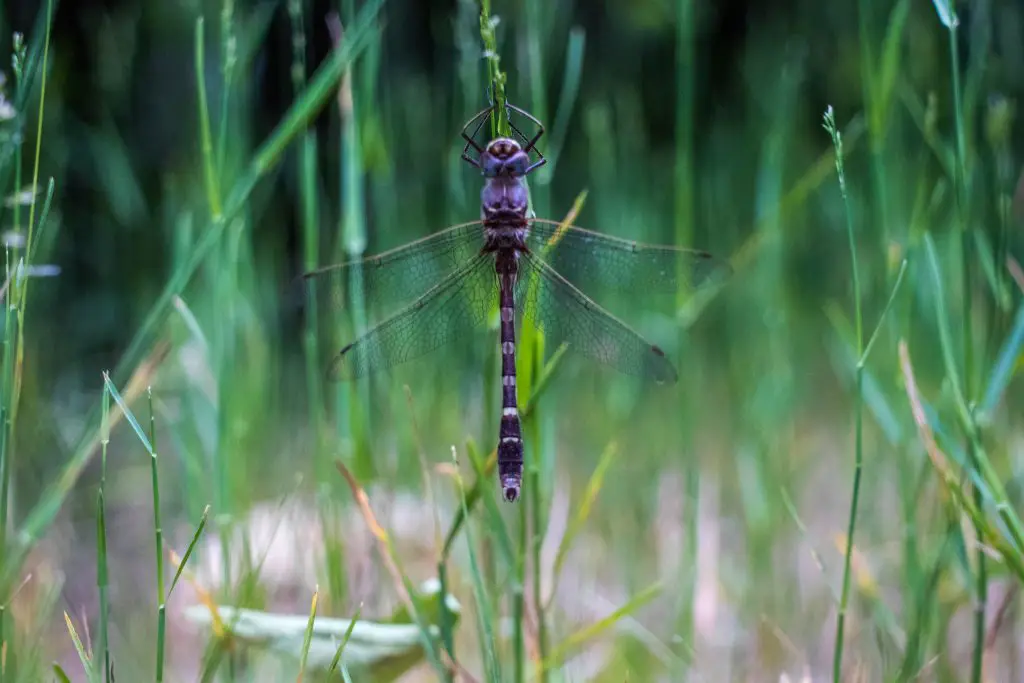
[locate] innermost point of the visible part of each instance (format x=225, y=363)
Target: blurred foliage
x=684, y=121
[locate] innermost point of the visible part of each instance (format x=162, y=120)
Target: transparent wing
x=567, y=315
x=398, y=275
x=458, y=303
x=595, y=262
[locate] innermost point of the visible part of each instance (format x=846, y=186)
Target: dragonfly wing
x=566, y=314
x=459, y=302
x=396, y=276
x=595, y=262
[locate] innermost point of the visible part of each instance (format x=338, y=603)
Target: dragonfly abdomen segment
x=510, y=441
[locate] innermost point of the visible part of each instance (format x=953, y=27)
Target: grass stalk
x=102, y=581
x=213, y=197
x=210, y=179
x=39, y=147
x=353, y=240
x=307, y=637
x=536, y=506
x=485, y=617
x=858, y=405
x=534, y=14
x=229, y=60
x=684, y=211
x=135, y=357
x=10, y=311
x=496, y=77
x=948, y=17
x=158, y=544
x=518, y=598
x=266, y=156
x=309, y=220
x=336, y=660
x=16, y=299
x=20, y=281
x=966, y=242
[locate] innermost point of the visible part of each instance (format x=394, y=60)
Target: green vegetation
x=831, y=492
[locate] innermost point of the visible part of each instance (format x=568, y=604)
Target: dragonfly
x=535, y=267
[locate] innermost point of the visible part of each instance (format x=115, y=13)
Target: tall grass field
x=832, y=491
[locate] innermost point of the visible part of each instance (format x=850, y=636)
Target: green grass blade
x=320, y=89
x=885, y=312
x=392, y=560
x=158, y=543
x=582, y=512
x=128, y=414
x=889, y=66
x=102, y=583
x=307, y=638
x=34, y=52
x=498, y=529
x=566, y=102
x=1005, y=367
x=39, y=135
x=858, y=406
x=209, y=163
x=499, y=123
x=485, y=616
x=315, y=96
x=563, y=650
x=86, y=659
x=44, y=216
x=102, y=579
x=344, y=640
x=161, y=640
x=945, y=334
x=188, y=551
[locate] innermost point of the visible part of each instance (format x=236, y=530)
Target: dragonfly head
x=504, y=156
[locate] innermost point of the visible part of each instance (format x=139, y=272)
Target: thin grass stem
x=949, y=18
x=229, y=59
x=22, y=279
x=102, y=581
x=485, y=617
x=684, y=211
x=858, y=405
x=209, y=167
x=353, y=240
x=309, y=219
x=158, y=543
x=496, y=77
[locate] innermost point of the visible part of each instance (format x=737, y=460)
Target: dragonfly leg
x=533, y=119
x=471, y=138
x=535, y=165
x=532, y=142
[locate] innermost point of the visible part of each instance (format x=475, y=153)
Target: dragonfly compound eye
x=491, y=166
x=517, y=165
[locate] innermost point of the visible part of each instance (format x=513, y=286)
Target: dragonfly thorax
x=504, y=200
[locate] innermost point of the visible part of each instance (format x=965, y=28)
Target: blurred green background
x=200, y=166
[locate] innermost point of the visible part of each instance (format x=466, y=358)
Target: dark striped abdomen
x=510, y=441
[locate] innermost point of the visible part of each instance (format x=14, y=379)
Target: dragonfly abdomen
x=510, y=441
